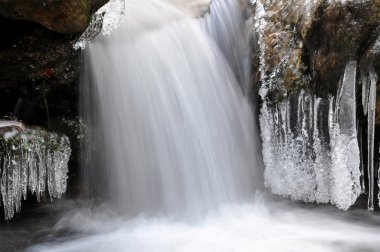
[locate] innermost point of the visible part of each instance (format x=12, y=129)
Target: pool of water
x=260, y=225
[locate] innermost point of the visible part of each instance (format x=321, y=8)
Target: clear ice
x=371, y=136
x=30, y=160
x=104, y=20
x=307, y=155
x=345, y=155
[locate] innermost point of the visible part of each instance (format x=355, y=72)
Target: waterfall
x=226, y=24
x=170, y=128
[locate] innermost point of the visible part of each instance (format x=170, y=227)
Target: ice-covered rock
x=310, y=145
x=305, y=58
x=104, y=20
x=31, y=159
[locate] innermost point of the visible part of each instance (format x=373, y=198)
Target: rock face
x=39, y=73
x=308, y=43
x=66, y=16
x=338, y=33
x=39, y=69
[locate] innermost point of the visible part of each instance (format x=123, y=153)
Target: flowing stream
x=174, y=151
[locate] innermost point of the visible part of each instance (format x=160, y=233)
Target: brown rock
x=65, y=16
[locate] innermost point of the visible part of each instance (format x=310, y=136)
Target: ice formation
x=104, y=20
x=30, y=160
x=371, y=136
x=368, y=81
x=307, y=157
x=294, y=152
x=365, y=81
x=345, y=155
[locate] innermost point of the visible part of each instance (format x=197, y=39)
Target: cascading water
x=171, y=132
x=226, y=24
x=172, y=129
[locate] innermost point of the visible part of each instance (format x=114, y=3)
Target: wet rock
x=316, y=39
x=341, y=32
x=66, y=16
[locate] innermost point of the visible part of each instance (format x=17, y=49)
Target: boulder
x=65, y=16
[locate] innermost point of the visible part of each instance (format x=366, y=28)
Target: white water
x=175, y=133
x=226, y=24
x=259, y=227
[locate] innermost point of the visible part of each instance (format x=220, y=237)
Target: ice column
x=345, y=169
x=310, y=156
x=371, y=137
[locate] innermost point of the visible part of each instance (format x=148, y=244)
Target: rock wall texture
x=39, y=69
x=317, y=38
x=66, y=16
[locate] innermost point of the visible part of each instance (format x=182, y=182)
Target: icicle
x=365, y=90
x=31, y=159
x=371, y=138
x=345, y=172
x=303, y=164
x=315, y=160
x=321, y=160
x=360, y=137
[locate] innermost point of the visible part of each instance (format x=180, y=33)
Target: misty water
x=260, y=225
x=173, y=160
